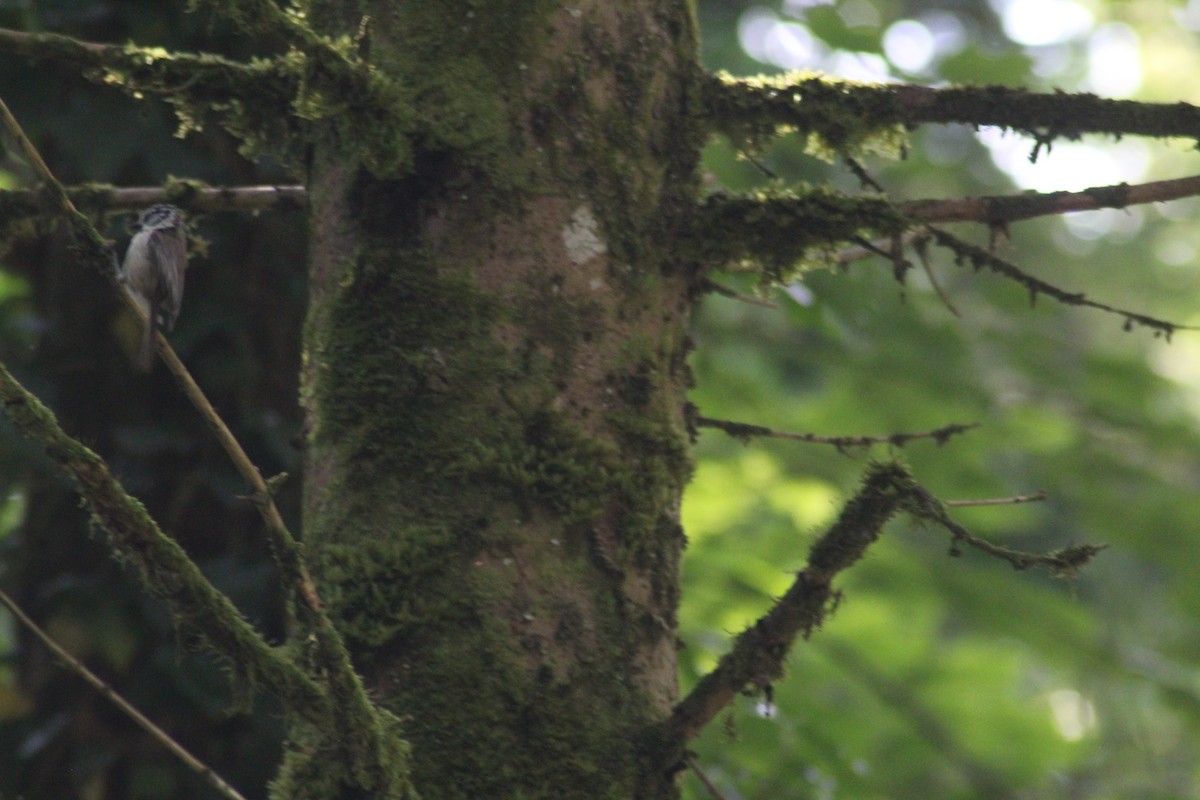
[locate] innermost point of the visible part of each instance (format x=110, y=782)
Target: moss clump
x=557, y=467
x=317, y=765
x=839, y=117
x=785, y=232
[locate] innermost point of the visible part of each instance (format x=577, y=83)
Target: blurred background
x=937, y=676
x=957, y=677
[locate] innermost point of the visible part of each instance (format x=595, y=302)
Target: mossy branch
x=264, y=103
x=780, y=229
x=758, y=654
x=364, y=733
x=191, y=78
x=845, y=114
x=161, y=564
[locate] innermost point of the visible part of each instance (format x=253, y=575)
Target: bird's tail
x=145, y=360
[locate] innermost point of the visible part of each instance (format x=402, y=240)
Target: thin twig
x=869, y=249
x=982, y=258
x=1064, y=562
x=213, y=779
x=708, y=784
x=1000, y=209
x=1036, y=497
x=923, y=256
x=758, y=163
x=725, y=291
x=743, y=432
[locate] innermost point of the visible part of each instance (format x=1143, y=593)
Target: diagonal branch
x=158, y=734
x=844, y=114
x=981, y=258
x=162, y=565
x=758, y=653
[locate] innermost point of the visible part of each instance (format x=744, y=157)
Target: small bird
x=153, y=270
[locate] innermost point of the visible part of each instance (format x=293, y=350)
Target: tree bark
x=494, y=379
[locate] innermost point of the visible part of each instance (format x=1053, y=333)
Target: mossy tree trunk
x=494, y=387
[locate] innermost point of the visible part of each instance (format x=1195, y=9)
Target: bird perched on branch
x=153, y=270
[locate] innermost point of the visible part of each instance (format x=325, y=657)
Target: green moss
x=402, y=344
x=839, y=117
x=384, y=587
x=317, y=766
x=555, y=466
x=785, y=232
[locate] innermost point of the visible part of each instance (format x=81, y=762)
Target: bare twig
x=743, y=432
x=213, y=779
x=1036, y=497
x=981, y=258
x=1065, y=562
x=877, y=247
x=1001, y=209
x=923, y=256
x=708, y=784
x=725, y=291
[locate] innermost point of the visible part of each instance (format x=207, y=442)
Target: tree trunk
x=494, y=387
